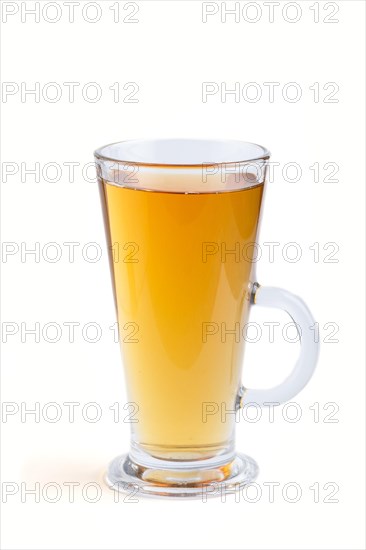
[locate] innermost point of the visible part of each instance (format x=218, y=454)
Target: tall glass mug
x=181, y=219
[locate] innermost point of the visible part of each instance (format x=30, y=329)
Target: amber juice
x=179, y=291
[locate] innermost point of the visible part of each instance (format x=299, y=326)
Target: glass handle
x=306, y=363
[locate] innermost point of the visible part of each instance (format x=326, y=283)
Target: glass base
x=195, y=479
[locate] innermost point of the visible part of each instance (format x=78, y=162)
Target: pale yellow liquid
x=167, y=295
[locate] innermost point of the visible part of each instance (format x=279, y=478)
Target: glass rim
x=263, y=153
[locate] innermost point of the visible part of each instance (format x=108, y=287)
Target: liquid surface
x=181, y=265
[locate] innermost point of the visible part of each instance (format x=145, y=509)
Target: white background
x=169, y=53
